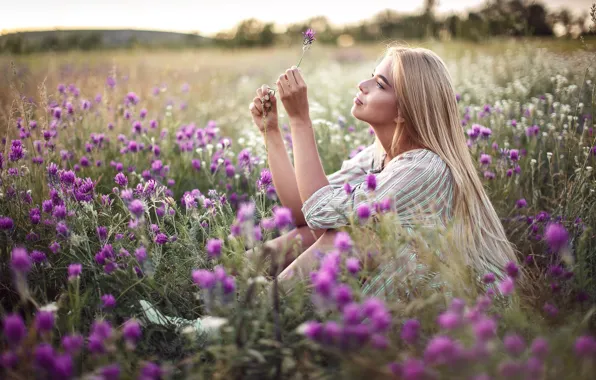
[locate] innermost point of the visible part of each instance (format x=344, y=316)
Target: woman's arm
x=283, y=175
x=310, y=175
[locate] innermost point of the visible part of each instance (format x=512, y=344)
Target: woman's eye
x=378, y=84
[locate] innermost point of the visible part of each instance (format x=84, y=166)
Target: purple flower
x=506, y=287
x=514, y=344
x=521, y=203
x=488, y=278
x=323, y=283
x=539, y=347
x=410, y=330
x=63, y=366
x=108, y=301
x=121, y=179
x=485, y=328
x=442, y=350
x=111, y=372
x=363, y=211
x=371, y=182
x=550, y=309
x=72, y=343
x=348, y=188
x=228, y=284
x=14, y=329
x=6, y=223
x=343, y=242
x=485, y=159
x=213, y=247
x=449, y=320
x=150, y=371
x=203, y=278
x=44, y=320
x=38, y=256
x=20, y=260
x=141, y=254
x=74, y=271
x=585, y=346
x=246, y=212
x=131, y=332
x=512, y=269
x=556, y=236
x=352, y=265
x=514, y=154
x=282, y=217
x=161, y=239
x=137, y=208
x=412, y=369
x=45, y=356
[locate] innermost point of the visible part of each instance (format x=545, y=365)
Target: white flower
x=53, y=307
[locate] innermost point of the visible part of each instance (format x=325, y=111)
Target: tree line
x=495, y=18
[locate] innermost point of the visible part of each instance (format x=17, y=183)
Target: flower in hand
x=263, y=109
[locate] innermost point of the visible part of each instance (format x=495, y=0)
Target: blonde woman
x=420, y=158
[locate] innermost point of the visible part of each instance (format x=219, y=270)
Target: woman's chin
x=354, y=112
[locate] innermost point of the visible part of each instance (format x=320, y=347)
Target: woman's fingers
x=258, y=105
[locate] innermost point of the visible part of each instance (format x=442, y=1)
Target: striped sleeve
x=417, y=184
x=353, y=169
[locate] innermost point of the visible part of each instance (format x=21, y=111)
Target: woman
x=420, y=157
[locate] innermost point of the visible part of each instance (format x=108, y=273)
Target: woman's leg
x=291, y=245
x=300, y=268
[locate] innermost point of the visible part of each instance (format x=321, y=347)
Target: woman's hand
x=292, y=92
x=264, y=106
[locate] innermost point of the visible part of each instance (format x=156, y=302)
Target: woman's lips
x=357, y=101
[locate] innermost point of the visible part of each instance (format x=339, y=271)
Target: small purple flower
x=282, y=217
x=539, y=347
x=137, y=208
x=514, y=154
x=506, y=287
x=343, y=242
x=556, y=236
x=112, y=372
x=449, y=320
x=204, y=278
x=442, y=350
x=363, y=211
x=488, y=278
x=20, y=260
x=352, y=265
x=74, y=271
x=512, y=269
x=14, y=329
x=213, y=247
x=38, y=256
x=551, y=309
x=521, y=203
x=44, y=321
x=161, y=239
x=308, y=37
x=514, y=344
x=72, y=343
x=6, y=223
x=102, y=232
x=121, y=179
x=131, y=332
x=348, y=188
x=485, y=159
x=410, y=331
x=371, y=182
x=141, y=254
x=485, y=328
x=108, y=301
x=44, y=356
x=585, y=346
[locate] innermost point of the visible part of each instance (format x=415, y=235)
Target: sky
x=207, y=17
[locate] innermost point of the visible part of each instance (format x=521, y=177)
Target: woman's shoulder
x=422, y=157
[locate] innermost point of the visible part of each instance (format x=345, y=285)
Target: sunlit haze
x=209, y=17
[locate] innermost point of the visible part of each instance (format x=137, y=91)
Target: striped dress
x=420, y=186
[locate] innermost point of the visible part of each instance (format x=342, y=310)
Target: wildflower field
x=136, y=178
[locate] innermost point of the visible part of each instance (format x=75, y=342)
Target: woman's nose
x=362, y=87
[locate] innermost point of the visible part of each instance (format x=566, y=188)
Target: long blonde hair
x=426, y=99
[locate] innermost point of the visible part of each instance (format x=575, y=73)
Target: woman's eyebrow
x=384, y=79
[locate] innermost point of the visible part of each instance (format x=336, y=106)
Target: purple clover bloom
x=20, y=260
x=352, y=265
x=410, y=331
x=72, y=343
x=137, y=208
x=213, y=247
x=371, y=182
x=74, y=271
x=108, y=301
x=44, y=321
x=6, y=223
x=131, y=332
x=14, y=329
x=282, y=217
x=556, y=236
x=203, y=278
x=343, y=242
x=363, y=211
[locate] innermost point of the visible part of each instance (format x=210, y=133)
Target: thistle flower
x=108, y=301
x=308, y=37
x=131, y=332
x=44, y=320
x=343, y=242
x=14, y=329
x=213, y=247
x=74, y=271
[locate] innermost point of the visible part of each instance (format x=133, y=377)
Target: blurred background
x=35, y=26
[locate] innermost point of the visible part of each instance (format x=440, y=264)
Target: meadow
x=134, y=176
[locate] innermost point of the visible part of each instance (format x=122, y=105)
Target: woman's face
x=376, y=103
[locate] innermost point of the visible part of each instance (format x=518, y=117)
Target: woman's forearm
x=283, y=175
x=310, y=175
